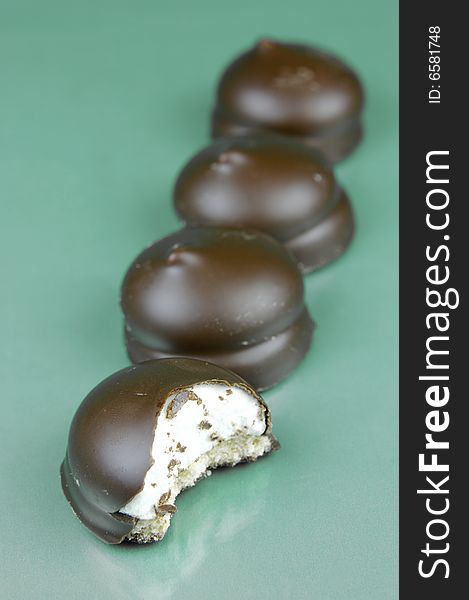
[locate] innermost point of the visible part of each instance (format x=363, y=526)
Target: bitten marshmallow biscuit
x=148, y=432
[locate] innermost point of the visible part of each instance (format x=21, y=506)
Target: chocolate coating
x=293, y=90
x=271, y=184
x=233, y=295
x=111, y=437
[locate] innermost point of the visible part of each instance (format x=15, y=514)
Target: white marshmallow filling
x=201, y=427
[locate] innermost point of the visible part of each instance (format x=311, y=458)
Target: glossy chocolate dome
x=272, y=184
x=293, y=90
x=233, y=297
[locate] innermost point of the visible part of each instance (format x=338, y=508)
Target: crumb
x=193, y=396
x=177, y=403
x=164, y=498
x=167, y=508
x=173, y=463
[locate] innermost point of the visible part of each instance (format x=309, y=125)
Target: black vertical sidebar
x=434, y=257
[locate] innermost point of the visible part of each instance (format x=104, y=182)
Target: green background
x=101, y=103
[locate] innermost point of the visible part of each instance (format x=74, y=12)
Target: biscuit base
x=334, y=143
x=326, y=240
x=262, y=365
